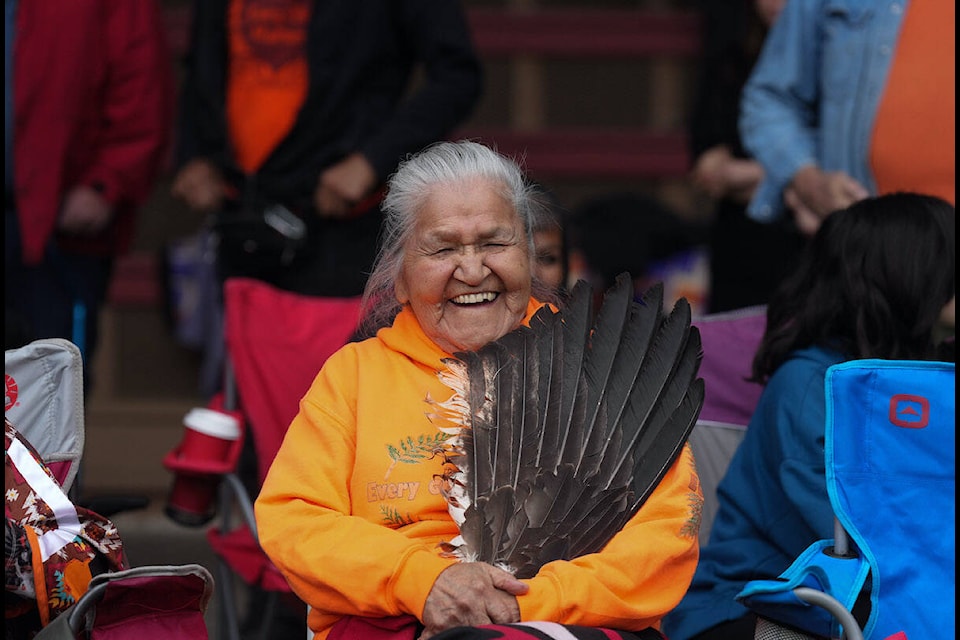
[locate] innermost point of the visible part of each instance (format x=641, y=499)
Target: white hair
x=409, y=186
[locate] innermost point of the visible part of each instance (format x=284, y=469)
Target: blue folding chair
x=890, y=460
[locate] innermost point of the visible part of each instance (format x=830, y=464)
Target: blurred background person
x=644, y=236
x=747, y=258
x=551, y=262
x=310, y=105
x=88, y=112
x=293, y=114
x=849, y=100
x=877, y=280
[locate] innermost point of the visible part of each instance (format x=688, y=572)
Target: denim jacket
x=813, y=95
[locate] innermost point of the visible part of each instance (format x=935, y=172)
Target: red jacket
x=93, y=104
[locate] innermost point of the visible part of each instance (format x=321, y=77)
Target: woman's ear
x=400, y=291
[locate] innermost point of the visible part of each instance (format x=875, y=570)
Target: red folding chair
x=162, y=602
x=276, y=342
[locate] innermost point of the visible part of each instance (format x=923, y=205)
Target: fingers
x=467, y=594
x=824, y=192
x=506, y=582
x=806, y=219
x=848, y=189
x=329, y=203
x=200, y=185
x=85, y=212
x=343, y=185
x=709, y=170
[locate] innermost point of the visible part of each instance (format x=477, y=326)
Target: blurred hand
x=85, y=212
x=807, y=220
x=813, y=194
x=470, y=594
x=720, y=175
x=200, y=184
x=344, y=185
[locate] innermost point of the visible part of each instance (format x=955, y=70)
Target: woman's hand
x=85, y=212
x=719, y=174
x=344, y=185
x=471, y=594
x=200, y=184
x=813, y=194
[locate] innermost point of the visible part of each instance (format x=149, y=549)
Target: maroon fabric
x=409, y=628
x=543, y=631
x=152, y=608
x=93, y=97
x=245, y=557
x=394, y=628
x=60, y=469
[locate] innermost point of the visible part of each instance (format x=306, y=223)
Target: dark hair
x=871, y=283
x=550, y=215
x=629, y=232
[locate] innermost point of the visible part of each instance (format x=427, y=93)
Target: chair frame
x=815, y=578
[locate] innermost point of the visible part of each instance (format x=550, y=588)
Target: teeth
x=475, y=298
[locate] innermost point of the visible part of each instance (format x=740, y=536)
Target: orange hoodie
x=351, y=512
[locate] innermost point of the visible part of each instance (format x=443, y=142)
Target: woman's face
x=548, y=264
x=466, y=267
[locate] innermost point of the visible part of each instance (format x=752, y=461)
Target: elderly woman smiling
x=351, y=510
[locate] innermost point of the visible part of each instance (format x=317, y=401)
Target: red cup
x=209, y=435
x=208, y=438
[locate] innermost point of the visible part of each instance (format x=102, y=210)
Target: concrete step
x=126, y=442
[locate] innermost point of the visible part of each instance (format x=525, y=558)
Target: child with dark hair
x=876, y=281
x=641, y=235
x=551, y=265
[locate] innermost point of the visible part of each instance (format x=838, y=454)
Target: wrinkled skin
x=466, y=273
x=471, y=594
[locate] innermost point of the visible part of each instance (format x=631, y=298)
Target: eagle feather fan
x=562, y=429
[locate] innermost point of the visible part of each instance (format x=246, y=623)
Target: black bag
x=258, y=243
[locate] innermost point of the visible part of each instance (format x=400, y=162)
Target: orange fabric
x=267, y=81
x=913, y=147
x=364, y=444
x=39, y=577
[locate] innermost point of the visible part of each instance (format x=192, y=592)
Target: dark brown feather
x=570, y=425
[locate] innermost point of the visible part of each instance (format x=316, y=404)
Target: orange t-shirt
x=267, y=79
x=913, y=147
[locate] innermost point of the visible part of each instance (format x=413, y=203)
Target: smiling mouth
x=475, y=298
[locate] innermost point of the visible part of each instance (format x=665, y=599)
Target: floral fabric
x=53, y=548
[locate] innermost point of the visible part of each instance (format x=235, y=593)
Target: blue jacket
x=813, y=95
x=773, y=500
